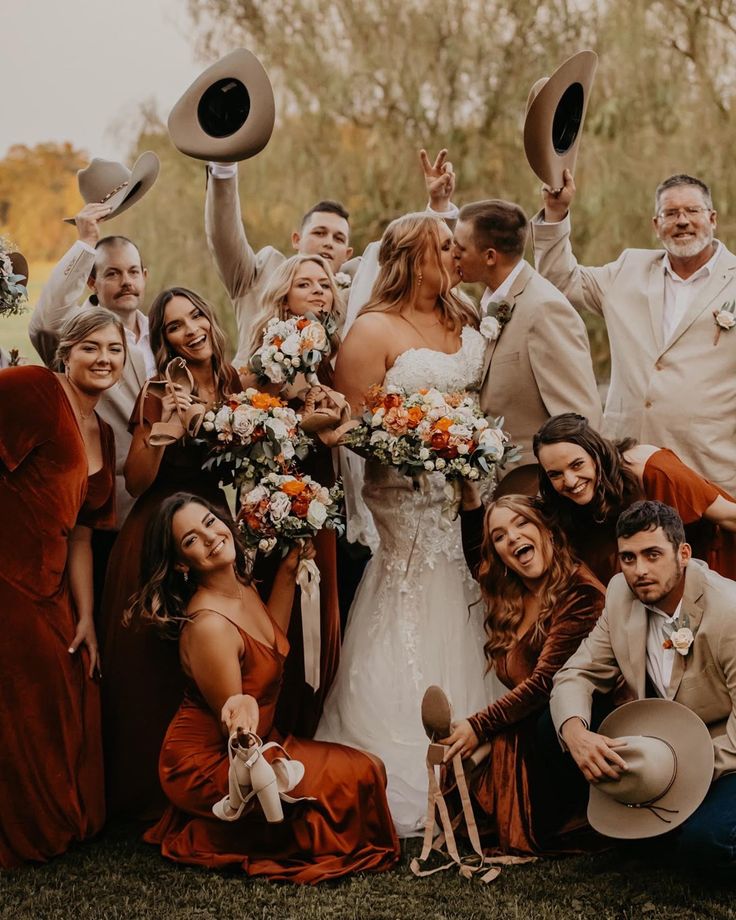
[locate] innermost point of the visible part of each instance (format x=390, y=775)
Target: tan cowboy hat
x=111, y=183
x=228, y=112
x=555, y=111
x=669, y=755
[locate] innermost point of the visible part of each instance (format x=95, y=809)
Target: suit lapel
x=692, y=607
x=655, y=292
x=137, y=363
x=517, y=288
x=636, y=633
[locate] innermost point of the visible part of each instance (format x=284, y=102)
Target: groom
x=538, y=360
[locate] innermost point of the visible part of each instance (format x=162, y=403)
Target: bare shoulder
x=372, y=325
x=636, y=457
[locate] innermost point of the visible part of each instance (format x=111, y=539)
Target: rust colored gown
x=347, y=829
x=513, y=799
x=666, y=479
x=51, y=779
x=142, y=683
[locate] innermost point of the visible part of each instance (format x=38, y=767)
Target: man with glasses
x=670, y=317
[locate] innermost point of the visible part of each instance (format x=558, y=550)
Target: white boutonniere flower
x=343, y=280
x=490, y=328
x=678, y=635
x=724, y=319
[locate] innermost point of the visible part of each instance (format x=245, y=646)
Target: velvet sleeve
x=29, y=406
x=573, y=622
x=667, y=479
x=471, y=523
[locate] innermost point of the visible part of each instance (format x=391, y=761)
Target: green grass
x=14, y=329
x=119, y=878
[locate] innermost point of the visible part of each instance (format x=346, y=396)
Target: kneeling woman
x=232, y=650
x=541, y=604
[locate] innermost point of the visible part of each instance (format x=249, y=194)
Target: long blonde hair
x=503, y=590
x=273, y=298
x=404, y=244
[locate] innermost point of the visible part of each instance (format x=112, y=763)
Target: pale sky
x=78, y=70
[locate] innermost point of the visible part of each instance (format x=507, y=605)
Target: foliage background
x=361, y=85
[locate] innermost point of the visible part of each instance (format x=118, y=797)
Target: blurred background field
x=14, y=329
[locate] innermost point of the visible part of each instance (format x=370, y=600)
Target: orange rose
x=415, y=416
x=265, y=401
x=391, y=401
x=439, y=440
x=302, y=323
x=300, y=505
x=252, y=521
x=396, y=421
x=232, y=404
x=293, y=487
x=443, y=424
x=277, y=341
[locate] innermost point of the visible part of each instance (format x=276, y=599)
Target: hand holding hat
x=112, y=184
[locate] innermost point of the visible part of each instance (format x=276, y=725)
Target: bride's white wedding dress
x=414, y=620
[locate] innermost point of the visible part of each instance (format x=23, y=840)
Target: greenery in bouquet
x=429, y=431
x=251, y=434
x=283, y=509
x=12, y=287
x=294, y=346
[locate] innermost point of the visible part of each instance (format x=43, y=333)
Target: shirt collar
x=700, y=273
x=668, y=617
x=143, y=328
x=504, y=287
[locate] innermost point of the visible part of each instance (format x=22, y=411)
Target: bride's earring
x=420, y=278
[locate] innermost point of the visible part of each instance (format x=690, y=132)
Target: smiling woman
x=142, y=672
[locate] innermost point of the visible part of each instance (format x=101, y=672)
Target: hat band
x=650, y=806
x=113, y=192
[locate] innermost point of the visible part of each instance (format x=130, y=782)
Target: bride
x=414, y=620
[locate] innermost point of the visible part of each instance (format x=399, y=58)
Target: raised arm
x=233, y=255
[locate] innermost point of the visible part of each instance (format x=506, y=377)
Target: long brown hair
x=403, y=246
x=163, y=352
x=616, y=486
x=503, y=590
x=164, y=594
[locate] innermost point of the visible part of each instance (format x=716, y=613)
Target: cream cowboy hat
x=111, y=183
x=555, y=111
x=227, y=114
x=669, y=754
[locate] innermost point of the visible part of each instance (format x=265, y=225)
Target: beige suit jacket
x=540, y=364
x=58, y=301
x=704, y=680
x=678, y=394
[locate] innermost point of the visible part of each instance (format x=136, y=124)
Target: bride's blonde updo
x=404, y=244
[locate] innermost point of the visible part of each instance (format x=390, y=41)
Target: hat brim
x=574, y=78
x=228, y=112
x=142, y=176
x=688, y=736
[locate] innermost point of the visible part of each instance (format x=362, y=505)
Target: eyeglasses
x=670, y=214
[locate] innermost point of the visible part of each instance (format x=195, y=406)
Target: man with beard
x=668, y=314
x=667, y=631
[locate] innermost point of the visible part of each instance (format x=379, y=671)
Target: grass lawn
x=118, y=878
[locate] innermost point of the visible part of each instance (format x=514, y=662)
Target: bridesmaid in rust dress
x=586, y=481
x=142, y=672
x=57, y=483
x=233, y=650
x=304, y=284
x=540, y=605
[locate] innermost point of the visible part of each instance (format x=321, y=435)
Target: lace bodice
x=424, y=367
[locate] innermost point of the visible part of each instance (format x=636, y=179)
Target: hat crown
x=101, y=178
x=651, y=770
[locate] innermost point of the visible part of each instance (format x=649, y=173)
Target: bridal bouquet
x=251, y=434
x=293, y=346
x=429, y=431
x=12, y=288
x=285, y=508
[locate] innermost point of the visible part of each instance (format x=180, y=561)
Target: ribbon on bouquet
x=307, y=577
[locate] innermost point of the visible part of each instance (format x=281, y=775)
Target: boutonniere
x=678, y=634
x=343, y=281
x=497, y=315
x=724, y=318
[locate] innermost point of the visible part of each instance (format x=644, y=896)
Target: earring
x=506, y=571
x=185, y=575
x=420, y=278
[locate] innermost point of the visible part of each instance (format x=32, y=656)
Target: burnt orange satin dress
x=347, y=829
x=51, y=781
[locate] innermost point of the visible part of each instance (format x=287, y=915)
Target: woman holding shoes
x=232, y=650
x=57, y=483
x=142, y=673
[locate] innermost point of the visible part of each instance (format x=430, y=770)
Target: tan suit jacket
x=58, y=301
x=704, y=680
x=679, y=394
x=540, y=364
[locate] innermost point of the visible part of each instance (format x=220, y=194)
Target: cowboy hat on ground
x=113, y=184
x=669, y=754
x=555, y=111
x=228, y=113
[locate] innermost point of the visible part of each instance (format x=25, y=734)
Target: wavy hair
x=163, y=352
x=273, y=298
x=162, y=599
x=78, y=327
x=404, y=244
x=503, y=590
x=616, y=486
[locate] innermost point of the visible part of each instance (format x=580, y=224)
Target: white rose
x=243, y=423
x=440, y=465
x=279, y=506
x=681, y=640
x=428, y=465
x=291, y=344
x=490, y=328
x=323, y=495
x=462, y=448
x=287, y=449
x=343, y=280
x=277, y=429
x=296, y=362
x=316, y=514
x=316, y=332
x=208, y=425
x=725, y=319
x=492, y=440
x=380, y=436
x=255, y=496
x=473, y=474
x=267, y=544
x=423, y=453
x=278, y=357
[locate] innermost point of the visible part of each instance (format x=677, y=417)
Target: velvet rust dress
x=51, y=778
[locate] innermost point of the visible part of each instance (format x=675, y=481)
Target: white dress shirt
x=679, y=292
x=659, y=658
x=502, y=290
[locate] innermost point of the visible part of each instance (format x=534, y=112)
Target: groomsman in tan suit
x=669, y=314
x=668, y=630
x=538, y=360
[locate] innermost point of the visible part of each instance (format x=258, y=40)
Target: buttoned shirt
x=502, y=290
x=679, y=292
x=659, y=658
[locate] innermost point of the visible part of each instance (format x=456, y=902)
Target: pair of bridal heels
x=177, y=379
x=251, y=775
